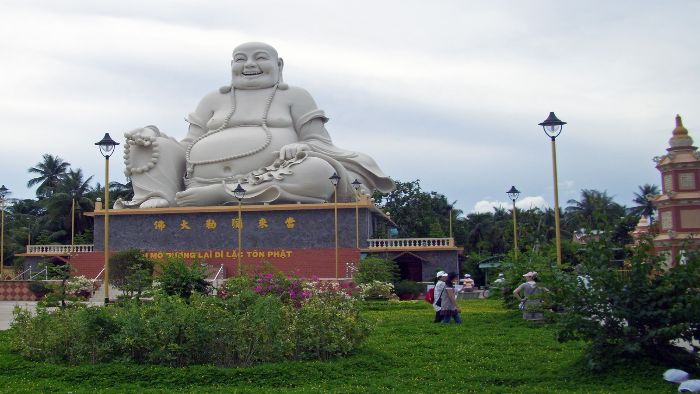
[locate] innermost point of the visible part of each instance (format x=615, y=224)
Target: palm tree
x=73, y=188
x=120, y=190
x=644, y=206
x=51, y=169
x=595, y=209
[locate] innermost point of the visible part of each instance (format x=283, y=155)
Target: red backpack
x=430, y=295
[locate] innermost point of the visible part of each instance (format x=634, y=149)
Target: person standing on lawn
x=441, y=277
x=449, y=301
x=526, y=291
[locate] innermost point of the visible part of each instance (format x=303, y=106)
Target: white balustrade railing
x=399, y=243
x=59, y=249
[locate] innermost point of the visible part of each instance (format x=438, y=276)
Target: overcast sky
x=448, y=92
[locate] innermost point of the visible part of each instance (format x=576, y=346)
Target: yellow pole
x=2, y=241
x=450, y=223
x=556, y=202
x=72, y=225
x=106, y=209
x=335, y=209
x=515, y=232
x=240, y=229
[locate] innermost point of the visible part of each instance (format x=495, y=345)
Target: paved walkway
x=6, y=308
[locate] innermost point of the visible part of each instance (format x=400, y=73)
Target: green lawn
x=492, y=351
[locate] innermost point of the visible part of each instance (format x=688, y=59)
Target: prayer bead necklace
x=266, y=143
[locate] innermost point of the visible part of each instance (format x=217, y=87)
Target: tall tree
x=595, y=211
x=73, y=188
x=50, y=170
x=644, y=206
x=417, y=213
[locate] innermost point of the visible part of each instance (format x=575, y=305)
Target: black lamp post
x=106, y=145
x=552, y=127
x=335, y=179
x=513, y=194
x=239, y=193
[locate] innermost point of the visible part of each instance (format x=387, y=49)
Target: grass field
x=493, y=351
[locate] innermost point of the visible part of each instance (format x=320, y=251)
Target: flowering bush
x=319, y=288
x=377, y=290
x=80, y=286
x=261, y=319
x=288, y=290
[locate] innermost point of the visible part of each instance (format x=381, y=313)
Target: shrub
x=39, y=288
x=132, y=272
x=80, y=286
x=408, y=286
x=376, y=269
x=327, y=325
x=62, y=292
x=289, y=290
x=322, y=287
x=242, y=328
x=180, y=279
x=632, y=314
x=377, y=291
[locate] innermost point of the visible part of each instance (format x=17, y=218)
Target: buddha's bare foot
x=202, y=196
x=155, y=202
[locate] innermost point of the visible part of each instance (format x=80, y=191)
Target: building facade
x=679, y=202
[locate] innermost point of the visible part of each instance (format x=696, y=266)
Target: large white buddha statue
x=258, y=132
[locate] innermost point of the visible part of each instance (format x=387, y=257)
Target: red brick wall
x=301, y=262
x=16, y=290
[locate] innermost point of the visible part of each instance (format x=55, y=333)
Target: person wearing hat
x=450, y=309
x=525, y=291
x=500, y=280
x=468, y=284
x=440, y=279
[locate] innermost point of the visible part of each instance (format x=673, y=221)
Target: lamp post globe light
x=513, y=194
x=106, y=145
x=552, y=127
x=239, y=193
x=356, y=185
x=3, y=192
x=335, y=179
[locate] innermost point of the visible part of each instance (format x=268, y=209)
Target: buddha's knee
x=311, y=178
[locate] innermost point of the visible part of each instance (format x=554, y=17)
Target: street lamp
x=334, y=180
x=513, y=194
x=552, y=127
x=356, y=185
x=3, y=193
x=106, y=145
x=72, y=221
x=239, y=193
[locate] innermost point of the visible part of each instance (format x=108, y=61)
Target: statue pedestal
x=295, y=238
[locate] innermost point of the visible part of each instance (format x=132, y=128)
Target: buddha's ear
x=280, y=81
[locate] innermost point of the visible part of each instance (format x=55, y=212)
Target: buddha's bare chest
x=250, y=109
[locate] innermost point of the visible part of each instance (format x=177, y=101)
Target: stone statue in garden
x=258, y=132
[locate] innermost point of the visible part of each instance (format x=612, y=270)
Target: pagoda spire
x=680, y=138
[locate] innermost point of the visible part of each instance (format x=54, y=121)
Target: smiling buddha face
x=255, y=65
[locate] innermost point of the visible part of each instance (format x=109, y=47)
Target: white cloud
x=530, y=202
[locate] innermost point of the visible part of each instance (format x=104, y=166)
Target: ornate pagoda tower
x=679, y=202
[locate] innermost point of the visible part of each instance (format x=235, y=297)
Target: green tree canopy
x=50, y=171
